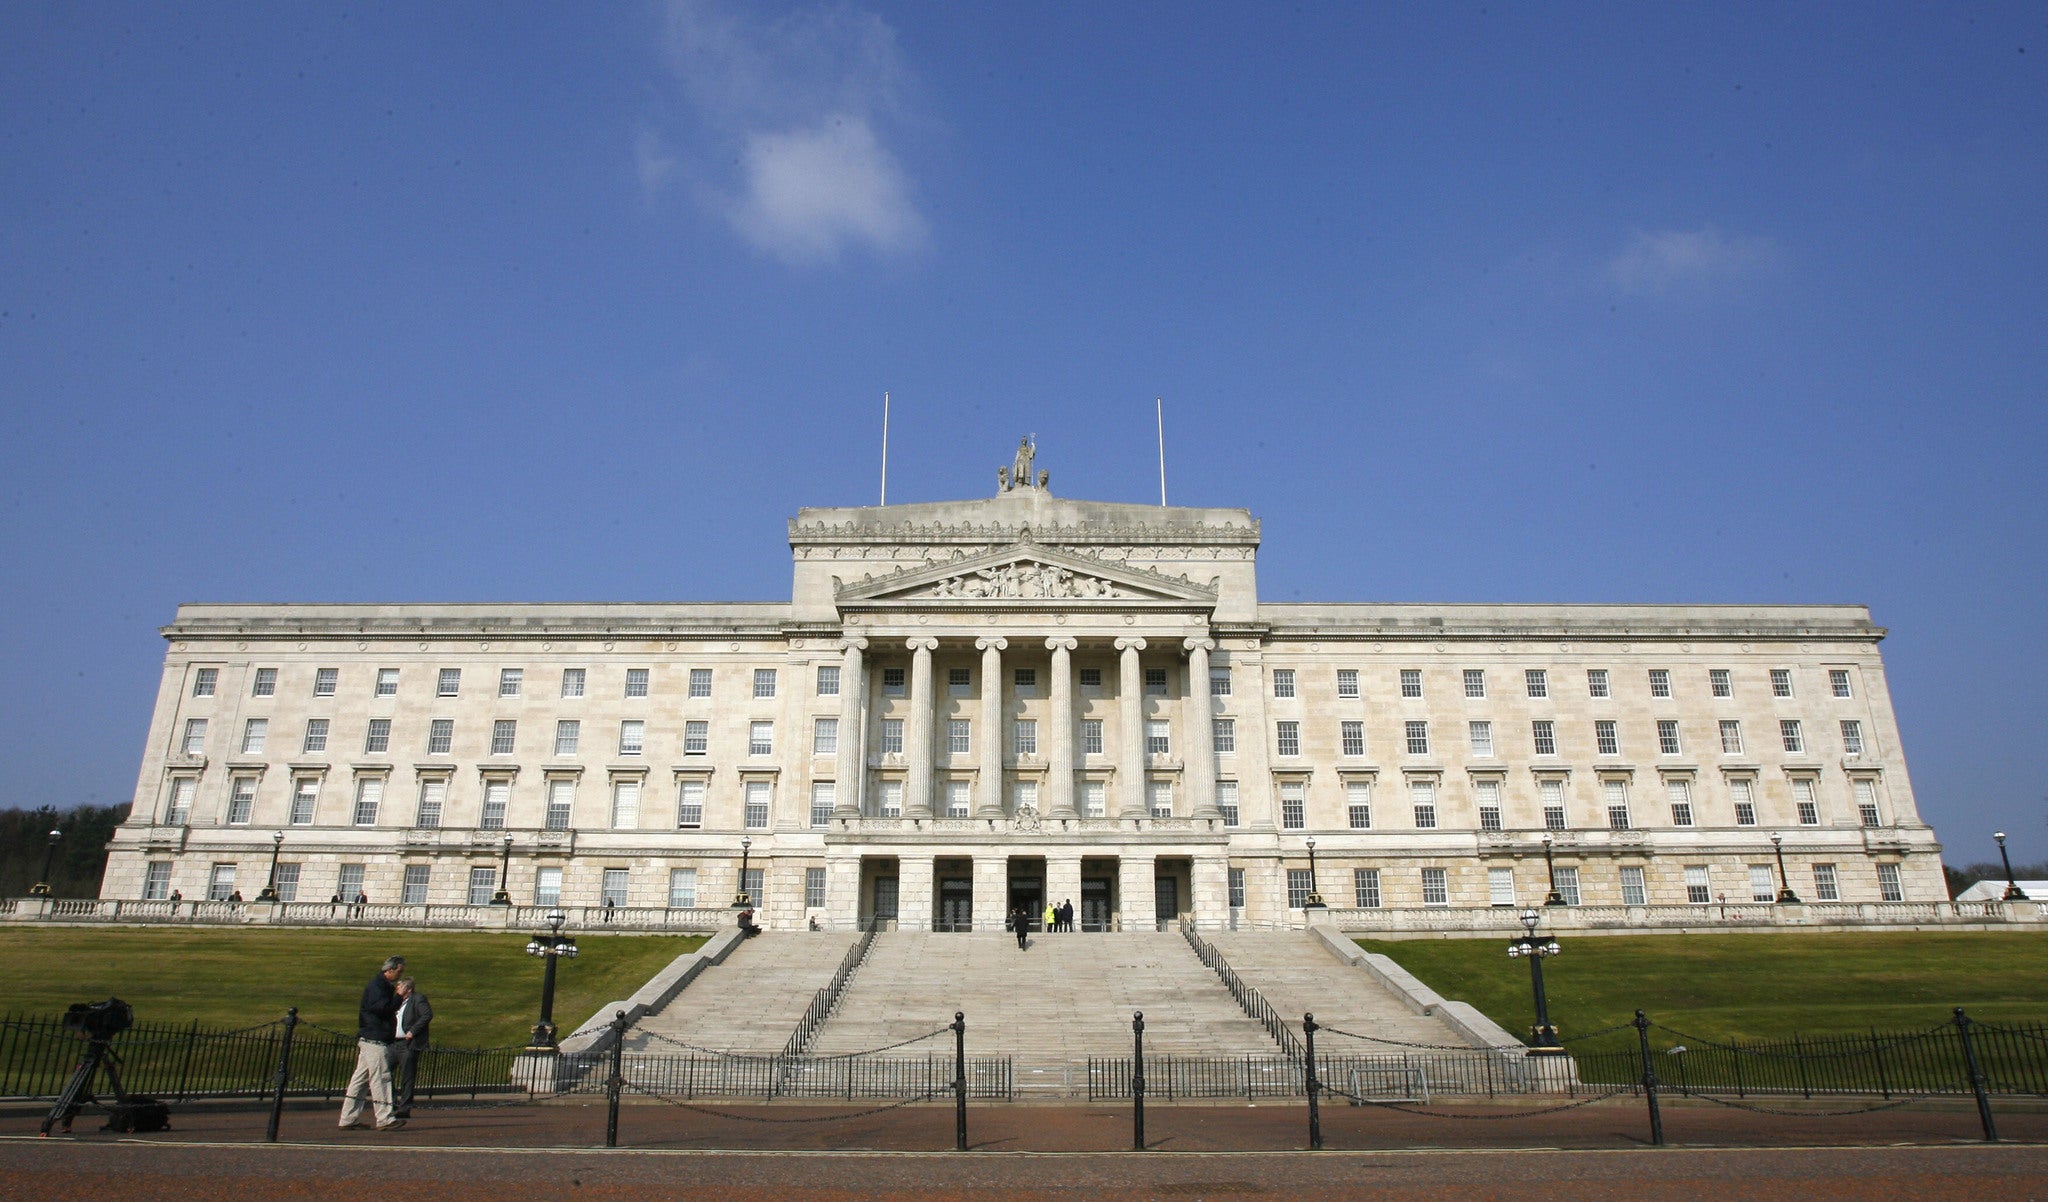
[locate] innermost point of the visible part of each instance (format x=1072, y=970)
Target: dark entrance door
x=1029, y=893
x=1095, y=904
x=1166, y=895
x=885, y=899
x=956, y=904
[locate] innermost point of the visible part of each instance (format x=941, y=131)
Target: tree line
x=81, y=856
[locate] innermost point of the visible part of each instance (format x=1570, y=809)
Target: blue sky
x=1662, y=303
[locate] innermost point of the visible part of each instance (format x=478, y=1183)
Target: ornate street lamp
x=740, y=900
x=42, y=886
x=1785, y=895
x=269, y=893
x=1552, y=898
x=501, y=897
x=1314, y=901
x=552, y=946
x=1543, y=1038
x=2013, y=892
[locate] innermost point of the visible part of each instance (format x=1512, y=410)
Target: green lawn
x=1760, y=986
x=485, y=988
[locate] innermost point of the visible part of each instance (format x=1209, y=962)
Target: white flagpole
x=885, y=448
x=1159, y=409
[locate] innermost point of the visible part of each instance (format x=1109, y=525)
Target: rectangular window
x=612, y=890
x=1095, y=799
x=700, y=682
x=1698, y=889
x=497, y=794
x=1487, y=794
x=1091, y=682
x=1287, y=737
x=482, y=883
x=1422, y=795
x=696, y=737
x=1352, y=738
x=1365, y=888
x=1283, y=682
x=1411, y=682
x=760, y=738
x=1300, y=883
x=1596, y=682
x=1804, y=801
x=504, y=733
x=1718, y=683
x=572, y=682
x=1888, y=887
x=1568, y=884
x=1660, y=682
x=1155, y=682
x=204, y=681
x=1219, y=681
x=220, y=884
x=1293, y=805
x=350, y=882
x=636, y=682
x=1667, y=736
x=1788, y=731
x=1158, y=737
x=1838, y=681
x=1235, y=880
x=1024, y=736
x=178, y=810
x=1475, y=683
x=1616, y=794
x=957, y=801
x=1500, y=886
x=1538, y=682
x=689, y=805
x=1024, y=794
x=326, y=681
x=266, y=683
x=1543, y=733
x=764, y=683
x=625, y=804
x=632, y=736
x=511, y=681
x=682, y=888
x=757, y=805
x=255, y=732
x=1781, y=682
x=824, y=736
x=1606, y=740
x=1680, y=793
x=377, y=737
x=1731, y=737
x=1224, y=733
x=753, y=884
x=892, y=736
x=1825, y=887
x=1744, y=797
x=828, y=680
x=1418, y=738
x=892, y=682
x=449, y=683
x=1091, y=736
x=156, y=881
x=316, y=736
x=1632, y=891
x=1026, y=682
x=1763, y=886
x=414, y=890
x=824, y=795
x=1358, y=804
x=1852, y=737
x=1160, y=798
x=1436, y=887
x=1481, y=734
x=369, y=795
x=1347, y=682
x=1552, y=794
x=568, y=735
x=305, y=800
x=1226, y=799
x=959, y=682
x=1866, y=803
x=547, y=887
x=241, y=799
x=433, y=798
x=194, y=742
x=814, y=888
x=561, y=804
x=440, y=736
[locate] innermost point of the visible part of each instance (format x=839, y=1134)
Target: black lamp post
x=42, y=886
x=740, y=900
x=1314, y=900
x=1785, y=895
x=2013, y=892
x=1552, y=898
x=269, y=893
x=1543, y=1038
x=552, y=947
x=501, y=897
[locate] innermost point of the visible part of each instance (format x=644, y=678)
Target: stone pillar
x=1209, y=882
x=1063, y=882
x=852, y=767
x=988, y=802
x=915, y=906
x=1130, y=721
x=917, y=734
x=1136, y=902
x=1199, y=727
x=1059, y=766
x=991, y=891
x=842, y=892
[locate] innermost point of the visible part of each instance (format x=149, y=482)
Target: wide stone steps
x=1298, y=975
x=751, y=1002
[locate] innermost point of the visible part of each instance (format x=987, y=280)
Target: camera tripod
x=98, y=1054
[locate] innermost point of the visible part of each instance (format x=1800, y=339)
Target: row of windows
x=511, y=682
x=1700, y=888
x=1614, y=800
x=1543, y=738
x=1536, y=682
x=416, y=885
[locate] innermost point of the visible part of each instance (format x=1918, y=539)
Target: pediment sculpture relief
x=1024, y=580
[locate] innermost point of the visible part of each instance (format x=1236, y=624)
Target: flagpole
x=1159, y=411
x=885, y=448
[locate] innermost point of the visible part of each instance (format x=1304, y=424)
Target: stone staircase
x=750, y=1003
x=1297, y=974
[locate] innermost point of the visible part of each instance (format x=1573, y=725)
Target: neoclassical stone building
x=965, y=706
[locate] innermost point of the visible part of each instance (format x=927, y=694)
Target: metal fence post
x=1137, y=1080
x=959, y=1080
x=617, y=1082
x=1877, y=1053
x=185, y=1065
x=284, y=1075
x=1976, y=1078
x=1315, y=1113
x=1642, y=1025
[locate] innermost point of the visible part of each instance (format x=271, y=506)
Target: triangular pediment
x=1025, y=572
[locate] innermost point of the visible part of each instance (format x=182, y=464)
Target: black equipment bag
x=138, y=1115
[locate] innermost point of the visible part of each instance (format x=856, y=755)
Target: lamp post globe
x=503, y=897
x=1785, y=895
x=741, y=899
x=1553, y=897
x=551, y=947
x=2013, y=892
x=269, y=893
x=42, y=886
x=1314, y=900
x=1534, y=948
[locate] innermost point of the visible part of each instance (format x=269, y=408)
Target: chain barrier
x=658, y=1036
x=1818, y=1114
x=1776, y=1049
x=1402, y=1043
x=680, y=1104
x=1414, y=1108
x=1627, y=1026
x=2036, y=1035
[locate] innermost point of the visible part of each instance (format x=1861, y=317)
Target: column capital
x=853, y=643
x=991, y=643
x=1130, y=642
x=1198, y=644
x=1062, y=642
x=923, y=642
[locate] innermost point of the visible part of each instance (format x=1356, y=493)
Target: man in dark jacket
x=376, y=1028
x=415, y=1015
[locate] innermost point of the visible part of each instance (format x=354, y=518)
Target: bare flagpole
x=885, y=448
x=1159, y=411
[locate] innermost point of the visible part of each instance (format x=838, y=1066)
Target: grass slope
x=485, y=988
x=1761, y=986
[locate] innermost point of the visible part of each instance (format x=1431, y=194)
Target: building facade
x=968, y=706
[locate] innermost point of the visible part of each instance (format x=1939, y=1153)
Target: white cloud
x=1668, y=260
x=788, y=119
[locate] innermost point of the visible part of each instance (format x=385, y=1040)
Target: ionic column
x=1201, y=734
x=917, y=738
x=1130, y=720
x=853, y=693
x=989, y=789
x=1059, y=775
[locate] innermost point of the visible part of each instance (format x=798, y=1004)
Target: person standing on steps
x=1052, y=917
x=1020, y=922
x=376, y=1027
